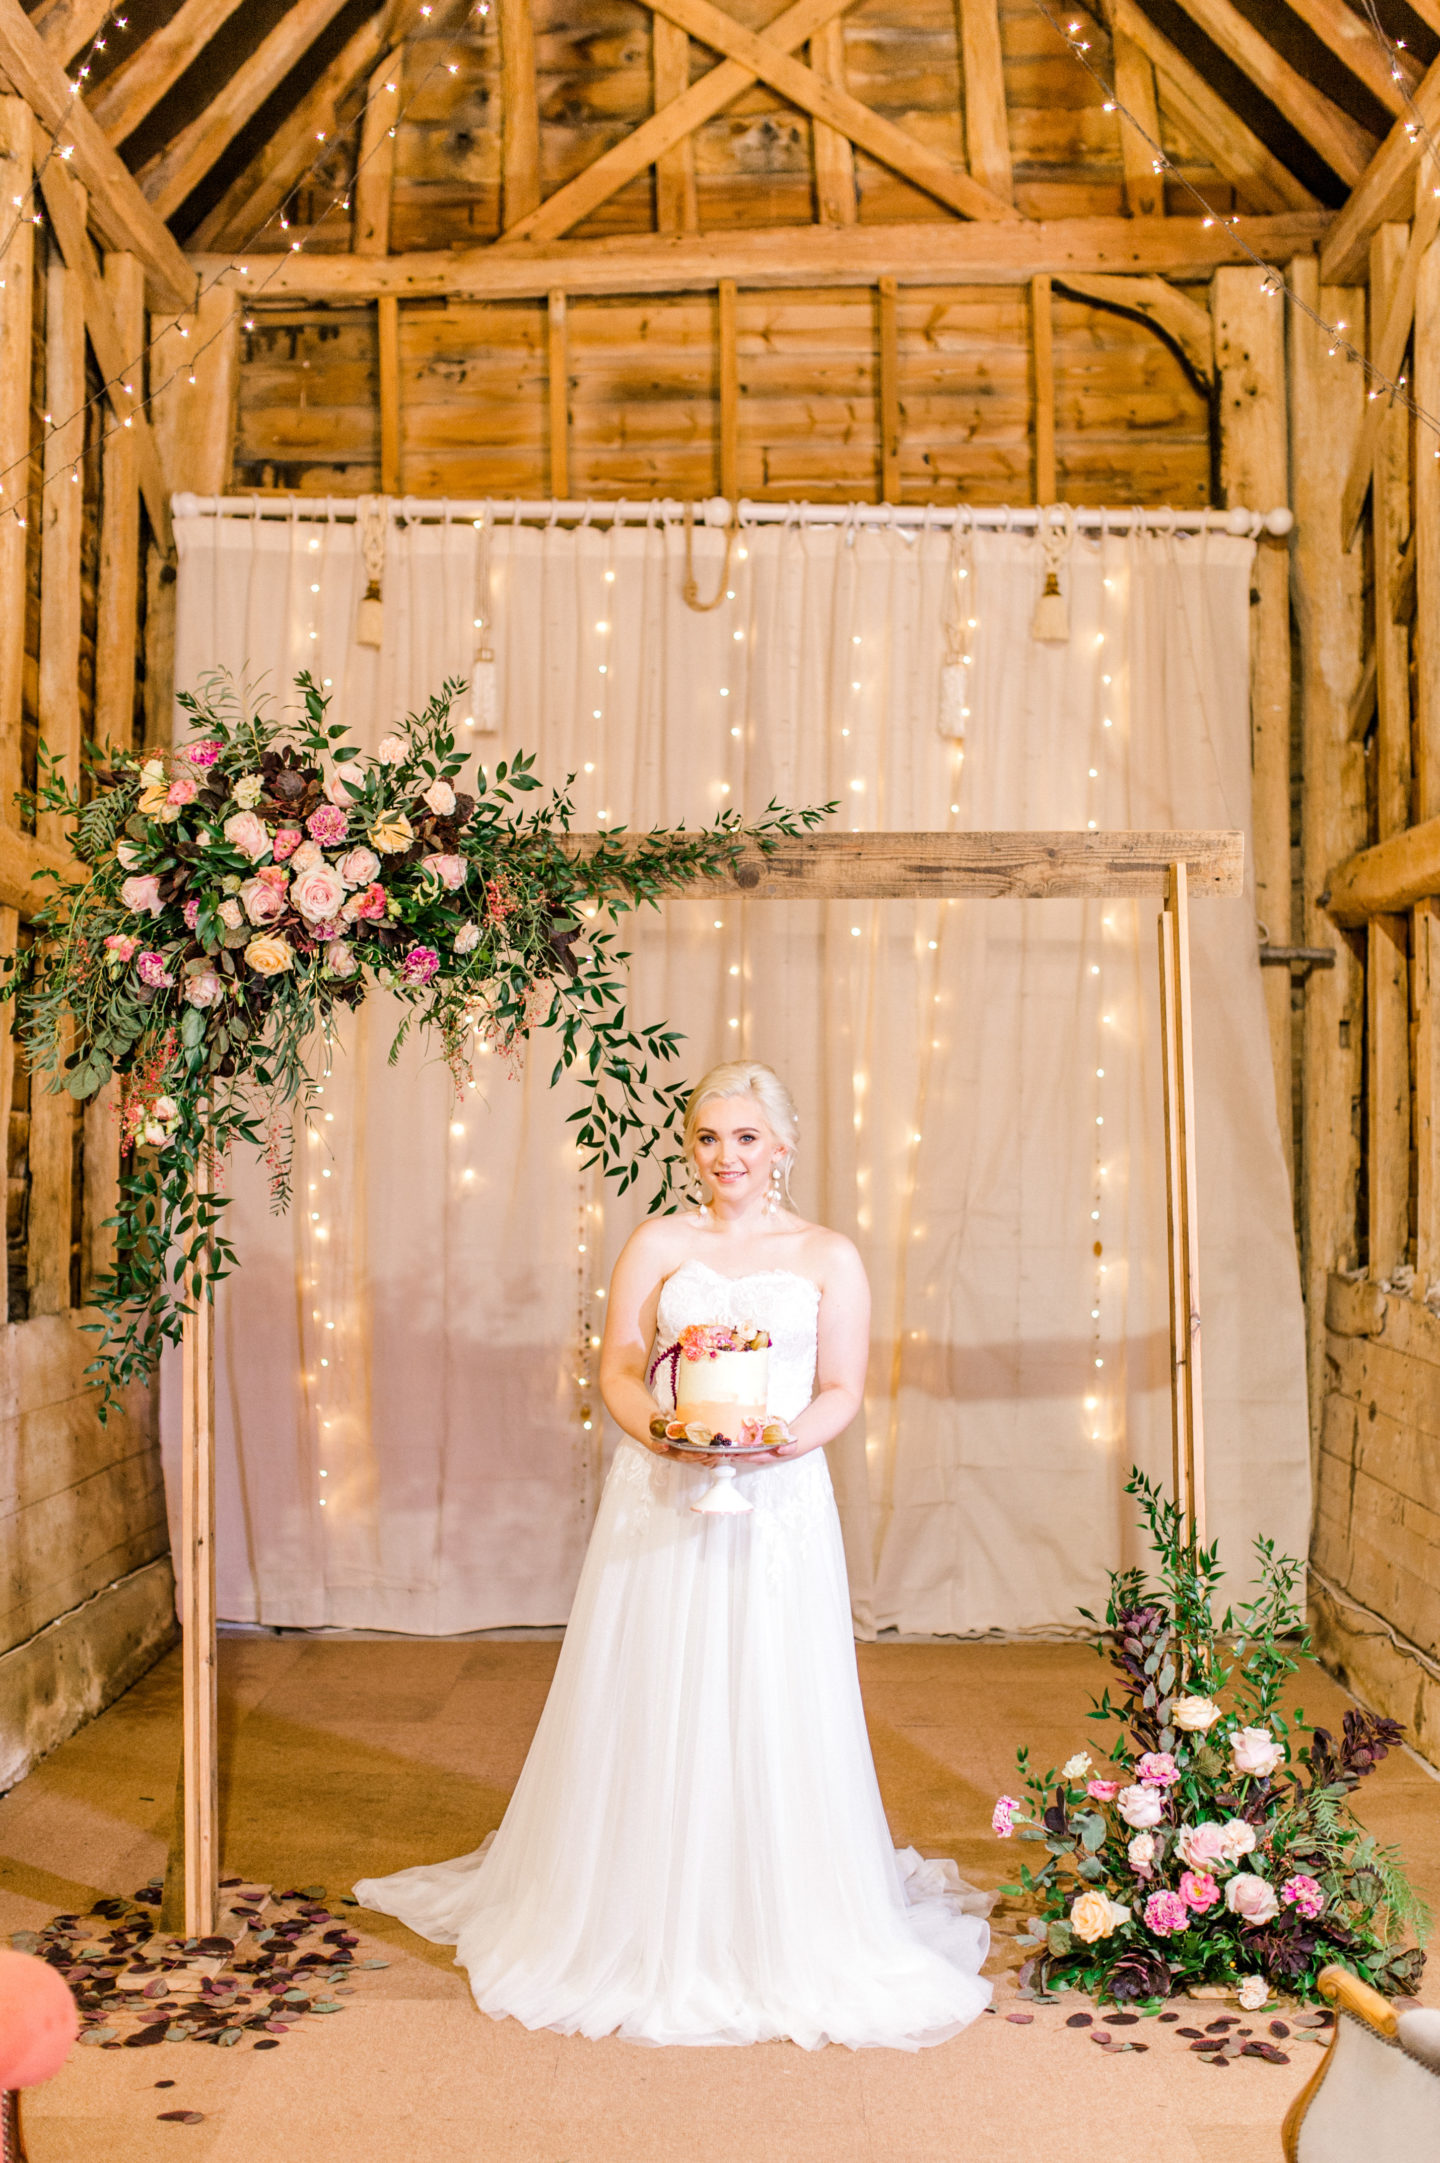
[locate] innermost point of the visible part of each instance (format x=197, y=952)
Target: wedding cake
x=721, y=1378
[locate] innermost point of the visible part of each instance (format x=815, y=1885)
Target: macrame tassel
x=485, y=705
x=370, y=618
x=1051, y=621
x=954, y=706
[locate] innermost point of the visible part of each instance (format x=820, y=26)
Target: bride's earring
x=773, y=1198
x=695, y=1192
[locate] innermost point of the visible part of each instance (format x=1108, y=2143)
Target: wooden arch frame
x=812, y=867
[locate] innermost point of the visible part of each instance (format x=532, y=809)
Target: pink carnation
x=1157, y=1768
x=183, y=790
x=287, y=841
x=1303, y=1893
x=1198, y=1890
x=204, y=752
x=191, y=911
x=121, y=945
x=419, y=965
x=368, y=905
x=1102, y=1790
x=1165, y=1913
x=1002, y=1817
x=327, y=825
x=151, y=970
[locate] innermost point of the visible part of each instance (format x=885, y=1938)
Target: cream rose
x=269, y=954
x=1194, y=1714
x=389, y=749
x=1141, y=1806
x=441, y=799
x=467, y=938
x=1094, y=1917
x=127, y=855
x=1236, y=1839
x=392, y=833
x=203, y=989
x=249, y=834
x=231, y=912
x=1251, y=1898
x=1142, y=1852
x=1253, y=1993
x=1255, y=1751
x=1076, y=1767
x=247, y=791
x=357, y=867
x=338, y=787
x=319, y=894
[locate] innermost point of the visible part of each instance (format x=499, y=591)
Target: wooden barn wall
x=642, y=389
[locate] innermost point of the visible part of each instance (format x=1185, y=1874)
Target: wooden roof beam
x=1340, y=141
x=1388, y=879
x=137, y=86
x=1384, y=193
x=118, y=210
x=1235, y=150
x=375, y=172
x=987, y=116
x=169, y=179
x=1388, y=352
x=67, y=26
x=1356, y=47
x=933, y=253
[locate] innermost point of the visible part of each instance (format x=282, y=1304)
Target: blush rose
x=1251, y=1898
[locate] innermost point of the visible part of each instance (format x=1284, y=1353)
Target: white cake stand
x=722, y=1498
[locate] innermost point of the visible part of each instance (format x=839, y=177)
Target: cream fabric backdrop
x=412, y=1330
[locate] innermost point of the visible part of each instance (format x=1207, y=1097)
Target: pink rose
x=1304, y=1893
x=1201, y=1846
x=1251, y=1898
x=357, y=867
x=142, y=893
x=1141, y=1807
x=319, y=894
x=203, y=989
x=327, y=824
x=340, y=958
x=204, y=751
x=247, y=832
x=262, y=901
x=368, y=905
x=441, y=799
x=419, y=965
x=1198, y=1890
x=1254, y=1750
x=1157, y=1768
x=151, y=970
x=449, y=870
x=121, y=945
x=231, y=913
x=1165, y=1913
x=287, y=841
x=1098, y=1790
x=1002, y=1817
x=338, y=787
x=183, y=790
x=191, y=911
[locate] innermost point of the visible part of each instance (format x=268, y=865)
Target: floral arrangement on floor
x=1212, y=1845
x=231, y=897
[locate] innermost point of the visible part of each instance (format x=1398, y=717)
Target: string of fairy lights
x=340, y=200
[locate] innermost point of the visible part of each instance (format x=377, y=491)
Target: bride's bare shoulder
x=659, y=1244
x=832, y=1257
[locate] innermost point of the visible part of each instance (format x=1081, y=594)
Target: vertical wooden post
x=1042, y=347
x=676, y=205
x=370, y=214
x=729, y=372
x=1425, y=929
x=1387, y=990
x=835, y=202
x=392, y=463
x=9, y=934
x=1182, y=1205
x=62, y=517
x=987, y=120
x=1135, y=90
x=889, y=393
x=15, y=330
x=519, y=114
x=558, y=362
x=197, y=1605
x=118, y=608
x=1254, y=471
x=1327, y=405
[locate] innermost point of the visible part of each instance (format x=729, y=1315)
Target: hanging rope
x=690, y=592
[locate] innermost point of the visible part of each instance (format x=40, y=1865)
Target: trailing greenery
x=1214, y=1843
x=233, y=897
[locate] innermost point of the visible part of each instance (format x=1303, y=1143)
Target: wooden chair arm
x=1347, y=1991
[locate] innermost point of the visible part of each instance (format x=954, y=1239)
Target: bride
x=696, y=1850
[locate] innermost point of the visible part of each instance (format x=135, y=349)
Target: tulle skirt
x=696, y=1850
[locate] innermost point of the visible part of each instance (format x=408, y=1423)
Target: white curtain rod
x=716, y=512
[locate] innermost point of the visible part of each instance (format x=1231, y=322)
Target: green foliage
x=180, y=959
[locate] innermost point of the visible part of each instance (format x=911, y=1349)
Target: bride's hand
x=755, y=1430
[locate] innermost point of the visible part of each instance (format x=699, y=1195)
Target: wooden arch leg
x=1182, y=1207
x=197, y=1611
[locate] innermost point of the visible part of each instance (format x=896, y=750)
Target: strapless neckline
x=746, y=1276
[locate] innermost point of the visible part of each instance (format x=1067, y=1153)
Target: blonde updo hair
x=747, y=1078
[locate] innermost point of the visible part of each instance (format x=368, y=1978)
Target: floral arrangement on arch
x=233, y=895
x=1210, y=1845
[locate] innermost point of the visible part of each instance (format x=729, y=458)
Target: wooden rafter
x=118, y=210
x=934, y=253
x=1388, y=353
x=1353, y=43
x=677, y=208
x=1184, y=322
x=1135, y=90
x=519, y=114
x=375, y=170
x=169, y=179
x=835, y=199
x=987, y=117
x=255, y=195
x=1340, y=141
x=67, y=26
x=137, y=86
x=1236, y=151
x=1384, y=193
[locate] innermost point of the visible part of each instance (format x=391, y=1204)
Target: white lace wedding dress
x=696, y=1850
